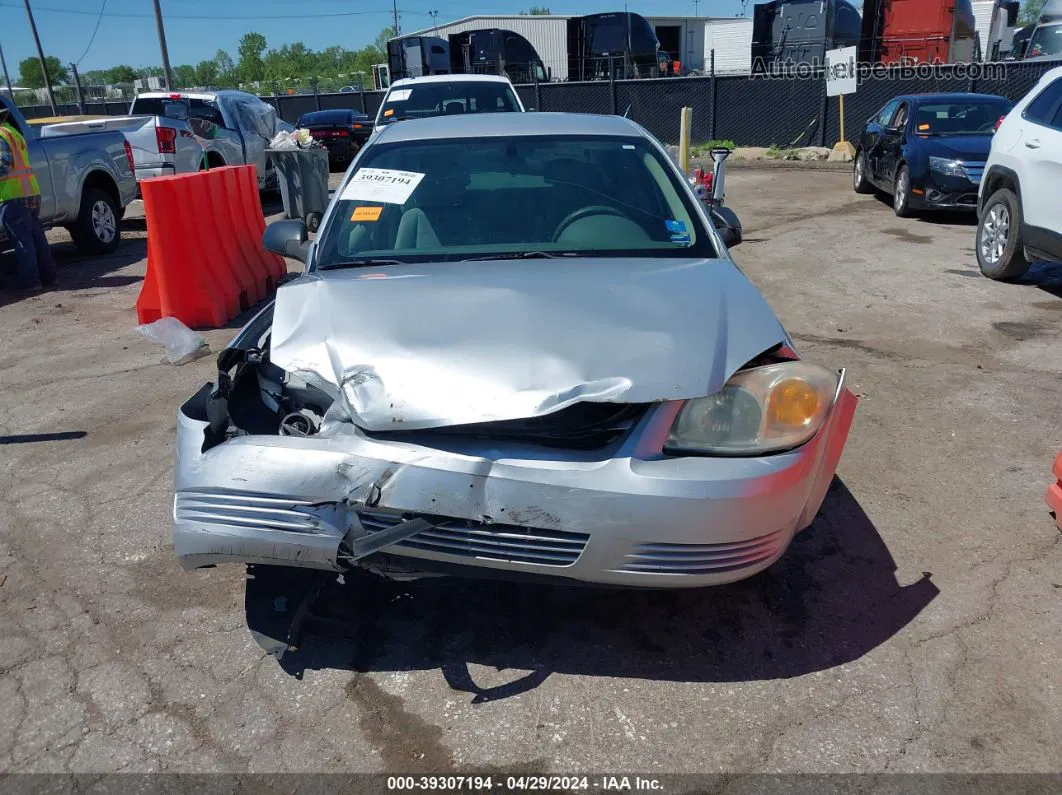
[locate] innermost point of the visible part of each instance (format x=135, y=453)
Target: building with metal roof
x=688, y=40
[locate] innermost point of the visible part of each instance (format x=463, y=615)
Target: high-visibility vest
x=19, y=182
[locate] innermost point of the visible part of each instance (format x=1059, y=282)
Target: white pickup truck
x=86, y=181
x=180, y=132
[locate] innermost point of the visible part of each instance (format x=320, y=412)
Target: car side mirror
x=727, y=224
x=730, y=236
x=288, y=239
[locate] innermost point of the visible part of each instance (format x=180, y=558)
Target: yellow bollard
x=685, y=130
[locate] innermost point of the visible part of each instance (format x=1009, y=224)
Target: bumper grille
x=498, y=542
x=703, y=558
x=974, y=171
x=243, y=509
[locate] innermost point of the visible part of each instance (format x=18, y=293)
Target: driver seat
x=415, y=231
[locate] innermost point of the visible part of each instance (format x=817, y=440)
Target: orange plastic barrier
x=1054, y=492
x=205, y=258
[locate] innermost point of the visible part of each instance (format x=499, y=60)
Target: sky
x=194, y=30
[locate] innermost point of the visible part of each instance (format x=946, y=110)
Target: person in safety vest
x=20, y=201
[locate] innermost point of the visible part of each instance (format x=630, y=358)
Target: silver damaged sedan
x=519, y=348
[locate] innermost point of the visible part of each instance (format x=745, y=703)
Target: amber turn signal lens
x=793, y=404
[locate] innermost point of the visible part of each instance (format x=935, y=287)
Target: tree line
x=255, y=62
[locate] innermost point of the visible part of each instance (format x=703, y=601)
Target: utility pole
x=398, y=28
x=434, y=20
x=696, y=8
x=167, y=74
x=7, y=77
x=77, y=85
x=40, y=54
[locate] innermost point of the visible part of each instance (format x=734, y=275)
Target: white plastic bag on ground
x=182, y=344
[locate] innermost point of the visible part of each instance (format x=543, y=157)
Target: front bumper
x=628, y=518
x=940, y=192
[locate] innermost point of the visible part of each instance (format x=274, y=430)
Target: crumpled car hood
x=421, y=346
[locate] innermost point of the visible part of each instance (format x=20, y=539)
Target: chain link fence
x=751, y=110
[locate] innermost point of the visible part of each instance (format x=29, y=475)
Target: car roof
x=496, y=125
x=207, y=96
x=1052, y=75
x=325, y=113
x=204, y=95
x=412, y=81
x=950, y=97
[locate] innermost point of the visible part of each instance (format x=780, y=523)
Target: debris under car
x=634, y=418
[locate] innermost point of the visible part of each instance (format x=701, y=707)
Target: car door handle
x=1034, y=144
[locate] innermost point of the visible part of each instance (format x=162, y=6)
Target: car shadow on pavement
x=950, y=218
x=940, y=217
x=831, y=599
x=1045, y=275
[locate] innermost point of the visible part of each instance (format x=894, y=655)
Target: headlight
x=762, y=410
x=949, y=168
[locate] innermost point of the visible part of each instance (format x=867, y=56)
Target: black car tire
x=901, y=193
x=859, y=174
x=313, y=221
x=1000, y=250
x=90, y=230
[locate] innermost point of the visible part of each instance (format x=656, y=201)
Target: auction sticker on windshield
x=400, y=96
x=381, y=185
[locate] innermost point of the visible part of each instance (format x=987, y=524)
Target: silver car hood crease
x=422, y=346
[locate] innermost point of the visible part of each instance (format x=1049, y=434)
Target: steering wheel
x=988, y=126
x=585, y=212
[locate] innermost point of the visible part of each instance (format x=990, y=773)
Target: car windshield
x=1047, y=40
x=525, y=196
x=443, y=99
x=960, y=117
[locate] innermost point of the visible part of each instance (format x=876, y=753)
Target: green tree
x=536, y=11
x=121, y=74
x=1030, y=11
x=30, y=75
x=184, y=76
x=385, y=36
x=251, y=67
x=226, y=68
x=206, y=73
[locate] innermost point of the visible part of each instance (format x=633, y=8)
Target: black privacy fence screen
x=750, y=109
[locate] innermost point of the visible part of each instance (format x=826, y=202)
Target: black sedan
x=928, y=150
x=342, y=132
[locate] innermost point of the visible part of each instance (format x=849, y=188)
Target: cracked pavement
x=914, y=627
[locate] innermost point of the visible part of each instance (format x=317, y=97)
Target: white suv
x=1020, y=205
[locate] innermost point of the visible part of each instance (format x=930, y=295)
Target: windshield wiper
x=360, y=263
x=523, y=255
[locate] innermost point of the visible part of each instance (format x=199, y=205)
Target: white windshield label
x=382, y=185
x=401, y=95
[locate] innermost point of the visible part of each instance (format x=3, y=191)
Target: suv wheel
x=1000, y=251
